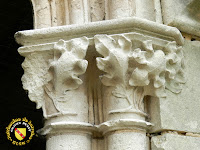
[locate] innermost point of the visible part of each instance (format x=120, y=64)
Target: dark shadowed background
x=15, y=15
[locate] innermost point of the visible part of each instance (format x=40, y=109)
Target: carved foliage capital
x=134, y=63
x=55, y=71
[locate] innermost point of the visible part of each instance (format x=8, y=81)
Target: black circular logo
x=20, y=131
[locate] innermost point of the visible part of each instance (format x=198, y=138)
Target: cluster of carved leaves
x=70, y=63
x=142, y=66
x=134, y=71
x=36, y=75
x=174, y=67
x=55, y=71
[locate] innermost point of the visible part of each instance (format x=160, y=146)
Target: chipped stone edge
x=124, y=124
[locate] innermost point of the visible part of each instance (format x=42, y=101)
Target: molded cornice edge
x=115, y=26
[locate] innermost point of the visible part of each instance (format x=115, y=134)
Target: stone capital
x=95, y=77
x=135, y=67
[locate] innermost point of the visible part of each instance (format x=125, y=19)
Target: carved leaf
x=114, y=63
x=122, y=92
x=136, y=69
x=132, y=64
x=57, y=69
x=119, y=92
x=70, y=64
x=66, y=70
x=36, y=75
x=150, y=67
x=138, y=98
x=174, y=67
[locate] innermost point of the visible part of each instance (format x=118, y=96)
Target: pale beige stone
x=133, y=69
x=64, y=12
x=52, y=78
x=181, y=111
x=124, y=141
x=54, y=56
x=183, y=14
x=161, y=32
x=100, y=83
x=72, y=140
x=97, y=10
x=175, y=142
x=42, y=13
x=158, y=11
x=135, y=58
x=192, y=134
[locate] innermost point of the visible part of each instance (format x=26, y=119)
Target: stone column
x=115, y=9
x=49, y=13
x=53, y=75
x=133, y=68
x=123, y=104
x=136, y=58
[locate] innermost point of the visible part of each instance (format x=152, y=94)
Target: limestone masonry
x=115, y=75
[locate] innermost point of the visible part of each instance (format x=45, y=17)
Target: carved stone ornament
x=134, y=58
x=52, y=74
x=135, y=69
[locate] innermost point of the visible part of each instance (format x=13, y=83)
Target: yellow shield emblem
x=20, y=133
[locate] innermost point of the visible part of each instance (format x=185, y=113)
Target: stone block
x=175, y=142
x=181, y=111
x=183, y=14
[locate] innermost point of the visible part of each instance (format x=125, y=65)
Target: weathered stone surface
x=64, y=12
x=183, y=14
x=115, y=9
x=42, y=14
x=69, y=141
x=124, y=141
x=175, y=142
x=135, y=58
x=115, y=26
x=134, y=69
x=181, y=111
x=53, y=77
